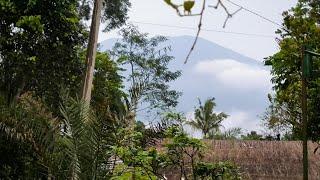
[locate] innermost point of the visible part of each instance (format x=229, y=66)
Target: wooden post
x=304, y=115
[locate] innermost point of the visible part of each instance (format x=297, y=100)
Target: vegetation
x=75, y=145
x=146, y=61
x=39, y=45
x=253, y=135
x=49, y=130
x=223, y=170
x=46, y=132
x=300, y=29
x=205, y=119
x=229, y=134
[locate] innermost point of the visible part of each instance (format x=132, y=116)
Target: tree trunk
x=50, y=177
x=91, y=51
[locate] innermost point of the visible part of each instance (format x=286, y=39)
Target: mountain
x=240, y=84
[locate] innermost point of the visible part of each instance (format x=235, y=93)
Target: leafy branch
x=198, y=32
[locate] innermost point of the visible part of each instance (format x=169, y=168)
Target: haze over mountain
x=239, y=84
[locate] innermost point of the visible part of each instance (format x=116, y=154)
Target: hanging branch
x=229, y=15
x=187, y=12
x=198, y=32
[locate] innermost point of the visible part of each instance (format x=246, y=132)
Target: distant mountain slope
x=203, y=50
x=239, y=83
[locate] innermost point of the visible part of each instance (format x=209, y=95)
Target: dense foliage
x=300, y=29
x=178, y=153
x=39, y=44
x=115, y=12
x=46, y=132
x=83, y=146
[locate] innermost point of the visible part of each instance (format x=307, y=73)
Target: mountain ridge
x=186, y=41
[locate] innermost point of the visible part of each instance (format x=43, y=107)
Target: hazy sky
x=157, y=12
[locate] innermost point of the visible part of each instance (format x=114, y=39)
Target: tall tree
x=300, y=31
x=39, y=43
x=300, y=28
x=205, y=119
x=91, y=51
x=146, y=62
x=115, y=12
x=51, y=144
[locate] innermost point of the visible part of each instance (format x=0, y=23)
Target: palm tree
x=205, y=119
x=30, y=123
x=76, y=145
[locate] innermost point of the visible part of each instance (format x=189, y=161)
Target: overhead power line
x=255, y=13
x=208, y=30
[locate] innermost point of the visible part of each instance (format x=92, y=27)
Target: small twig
x=198, y=32
x=219, y=3
x=216, y=6
x=229, y=15
x=237, y=11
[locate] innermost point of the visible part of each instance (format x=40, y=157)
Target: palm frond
x=205, y=119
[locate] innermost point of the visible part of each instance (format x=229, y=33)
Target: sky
x=260, y=43
x=256, y=47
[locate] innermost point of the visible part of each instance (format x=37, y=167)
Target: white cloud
x=234, y=74
x=242, y=119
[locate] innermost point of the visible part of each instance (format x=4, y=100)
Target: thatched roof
x=265, y=159
x=262, y=160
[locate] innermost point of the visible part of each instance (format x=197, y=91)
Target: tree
x=221, y=170
x=278, y=119
x=300, y=29
x=107, y=95
x=29, y=123
x=186, y=154
x=91, y=51
x=183, y=152
x=205, y=119
x=229, y=134
x=116, y=13
x=75, y=145
x=19, y=159
x=40, y=44
x=146, y=61
x=39, y=48
x=32, y=126
x=253, y=135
